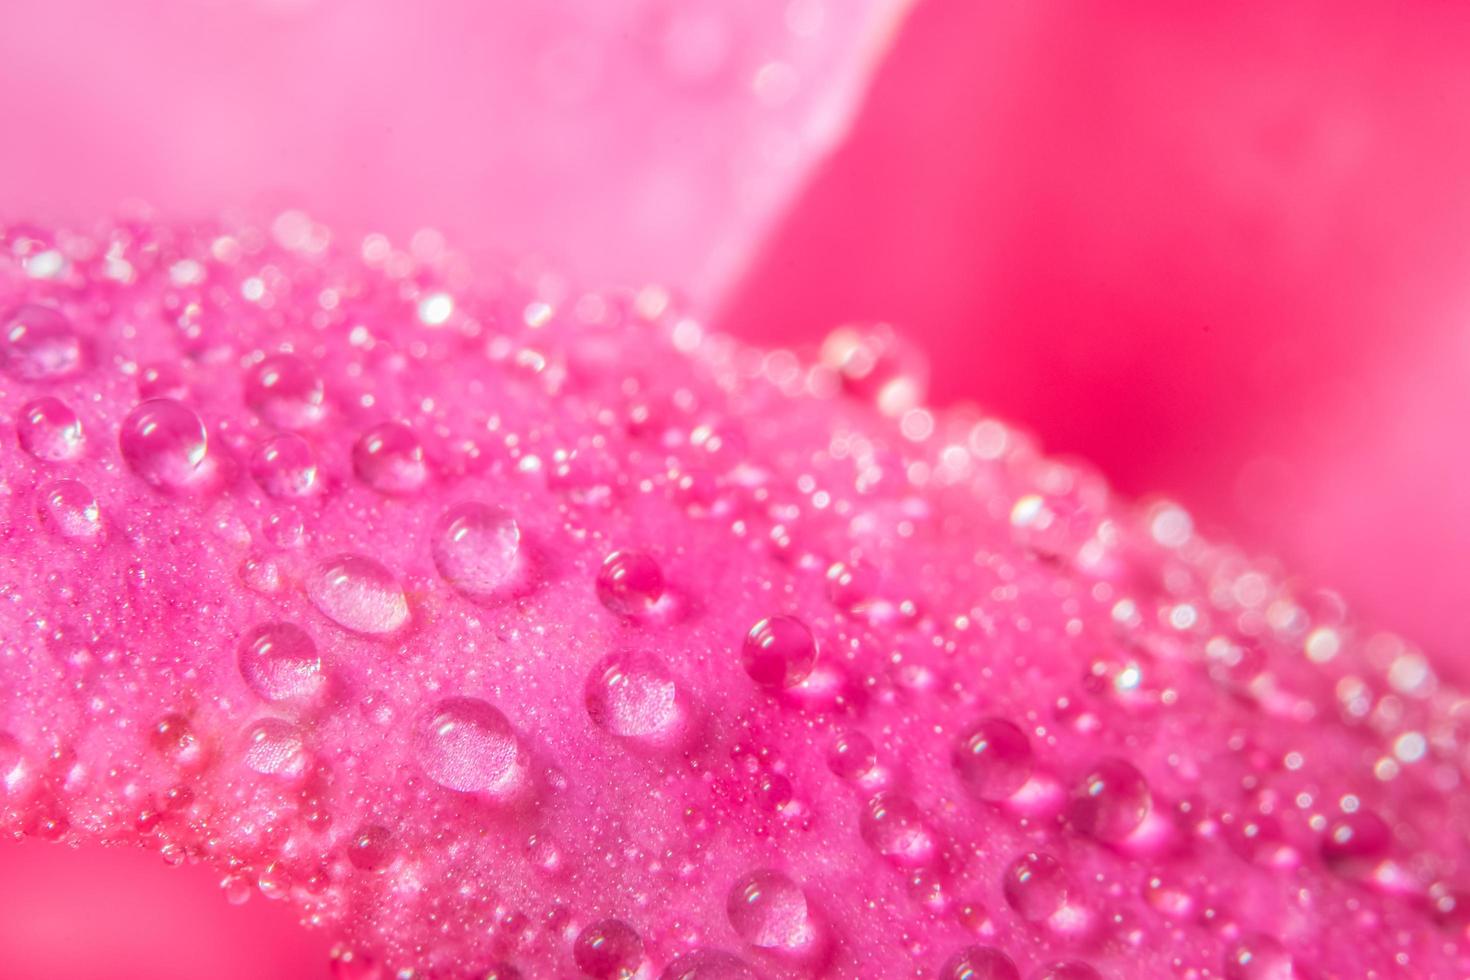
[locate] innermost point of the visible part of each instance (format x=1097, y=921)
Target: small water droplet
x=49, y=430
x=1111, y=802
x=608, y=950
x=851, y=585
x=1067, y=970
x=893, y=825
x=174, y=739
x=994, y=759
x=390, y=459
x=852, y=755
x=285, y=391
x=779, y=652
x=707, y=964
x=477, y=549
x=370, y=848
x=1036, y=886
x=1259, y=957
x=273, y=747
x=979, y=963
x=467, y=745
x=164, y=442
x=358, y=594
x=38, y=343
x=631, y=694
x=285, y=467
x=630, y=583
x=769, y=910
x=68, y=509
x=279, y=662
x=162, y=379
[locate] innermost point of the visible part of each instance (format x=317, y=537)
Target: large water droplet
x=769, y=910
x=852, y=755
x=608, y=950
x=467, y=745
x=273, y=747
x=68, y=509
x=993, y=759
x=358, y=594
x=1111, y=802
x=38, y=343
x=707, y=964
x=631, y=694
x=779, y=652
x=477, y=548
x=979, y=963
x=285, y=467
x=630, y=583
x=1037, y=886
x=893, y=825
x=285, y=391
x=164, y=442
x=390, y=459
x=370, y=848
x=49, y=430
x=279, y=662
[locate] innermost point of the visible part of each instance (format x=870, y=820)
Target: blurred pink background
x=1222, y=253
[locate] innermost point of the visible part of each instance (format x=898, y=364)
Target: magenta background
x=1222, y=255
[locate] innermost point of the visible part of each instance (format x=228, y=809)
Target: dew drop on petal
x=779, y=652
x=358, y=594
x=49, y=430
x=993, y=759
x=285, y=467
x=852, y=755
x=707, y=964
x=163, y=441
x=69, y=510
x=1067, y=970
x=477, y=549
x=608, y=950
x=630, y=583
x=979, y=963
x=390, y=459
x=279, y=662
x=38, y=343
x=467, y=745
x=769, y=910
x=174, y=739
x=1036, y=886
x=631, y=694
x=370, y=848
x=1259, y=957
x=1111, y=802
x=285, y=391
x=273, y=747
x=893, y=825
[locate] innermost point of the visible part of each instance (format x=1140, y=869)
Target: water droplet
x=161, y=380
x=608, y=950
x=630, y=583
x=390, y=459
x=273, y=747
x=1259, y=957
x=852, y=755
x=994, y=759
x=631, y=694
x=358, y=594
x=279, y=662
x=1356, y=837
x=851, y=585
x=477, y=549
x=285, y=466
x=769, y=910
x=1067, y=970
x=1111, y=802
x=979, y=963
x=38, y=343
x=285, y=391
x=49, y=430
x=1036, y=886
x=370, y=848
x=779, y=652
x=174, y=739
x=164, y=442
x=707, y=964
x=68, y=509
x=467, y=745
x=893, y=826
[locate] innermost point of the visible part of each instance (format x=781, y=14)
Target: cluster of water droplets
x=673, y=659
